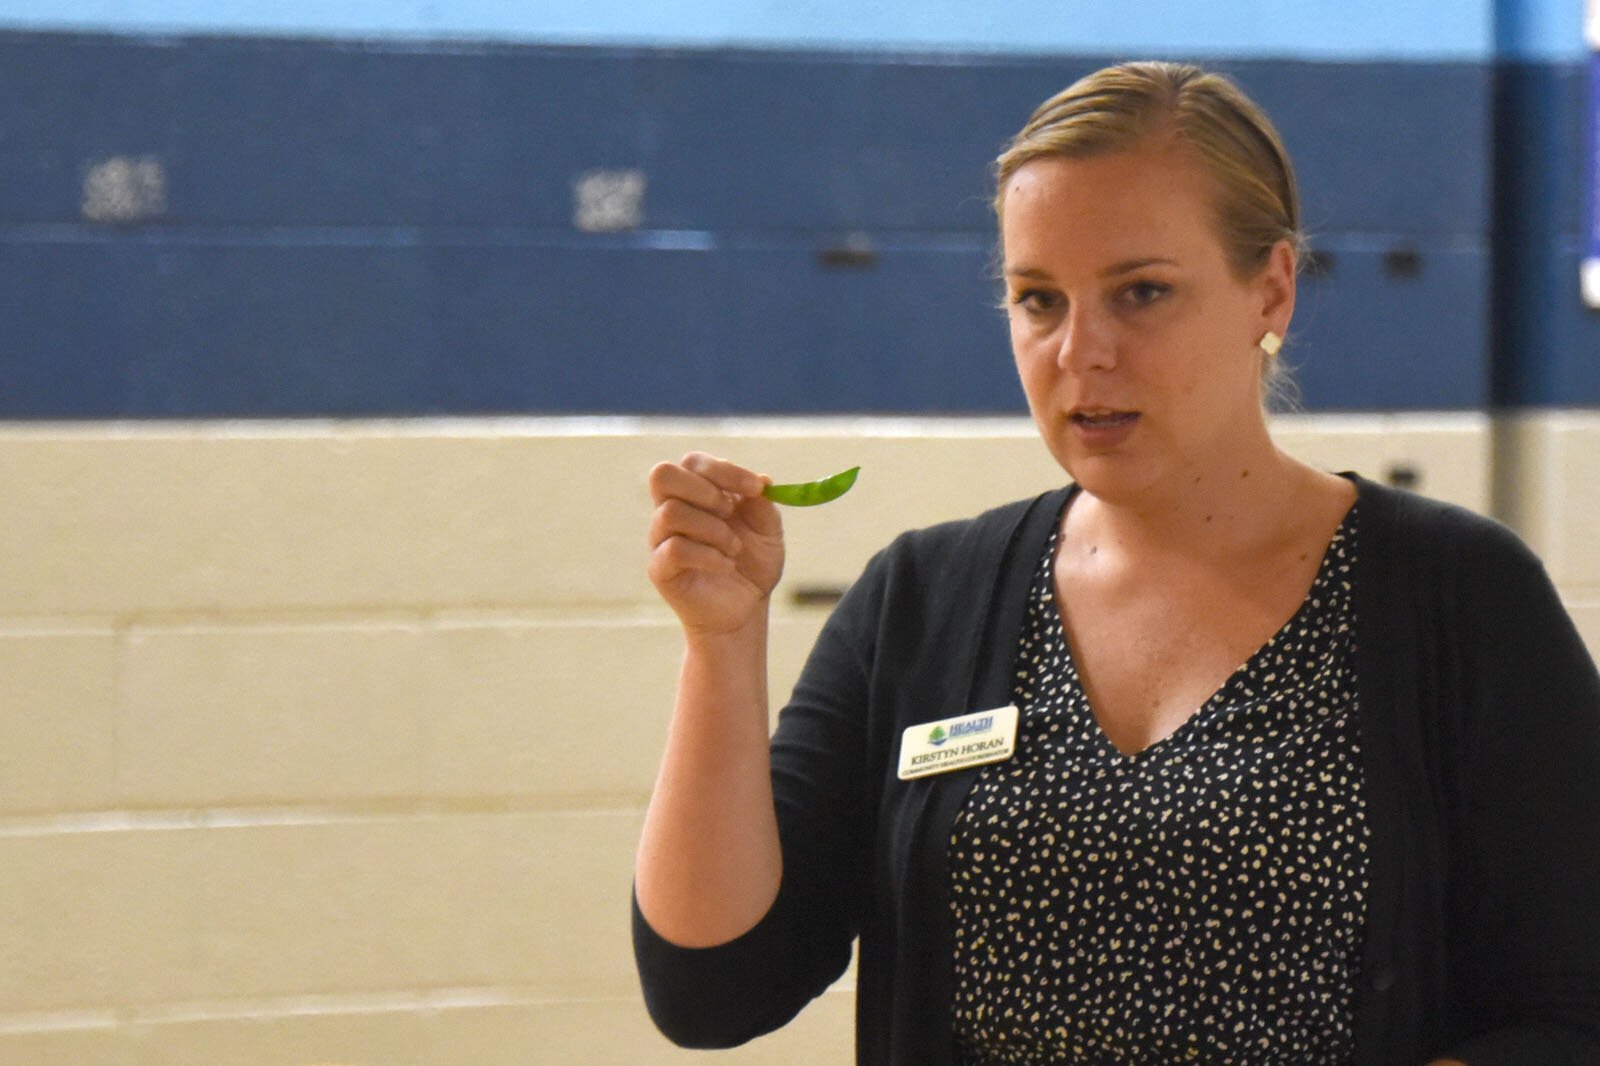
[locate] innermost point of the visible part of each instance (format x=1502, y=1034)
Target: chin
x=1113, y=479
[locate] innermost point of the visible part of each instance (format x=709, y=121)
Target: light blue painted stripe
x=1313, y=29
x=1548, y=30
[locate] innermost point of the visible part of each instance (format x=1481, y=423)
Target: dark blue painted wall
x=1547, y=342
x=361, y=229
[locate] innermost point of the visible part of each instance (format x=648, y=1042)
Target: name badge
x=974, y=739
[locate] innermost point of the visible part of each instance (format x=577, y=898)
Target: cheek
x=1021, y=351
x=1017, y=330
x=1033, y=369
x=1029, y=344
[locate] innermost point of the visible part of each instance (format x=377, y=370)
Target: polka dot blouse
x=1201, y=901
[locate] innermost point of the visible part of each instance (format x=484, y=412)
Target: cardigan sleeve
x=1525, y=877
x=728, y=994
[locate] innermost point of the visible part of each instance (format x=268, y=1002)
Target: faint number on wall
x=608, y=201
x=125, y=189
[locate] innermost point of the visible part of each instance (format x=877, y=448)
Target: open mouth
x=1104, y=419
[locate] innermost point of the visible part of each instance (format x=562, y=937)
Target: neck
x=1223, y=508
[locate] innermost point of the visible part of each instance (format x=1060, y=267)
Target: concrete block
x=106, y=1044
x=315, y=909
x=555, y=710
x=1585, y=611
x=58, y=696
x=617, y=1030
x=255, y=714
x=99, y=919
x=284, y=1034
x=534, y=900
x=567, y=711
x=1572, y=500
x=1522, y=470
x=594, y=1030
x=376, y=905
x=1548, y=464
x=222, y=516
x=790, y=643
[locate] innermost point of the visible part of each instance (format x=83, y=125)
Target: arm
x=1525, y=876
x=709, y=864
x=748, y=870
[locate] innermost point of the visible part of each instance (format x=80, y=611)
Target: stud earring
x=1270, y=343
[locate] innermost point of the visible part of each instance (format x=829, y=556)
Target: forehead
x=1154, y=200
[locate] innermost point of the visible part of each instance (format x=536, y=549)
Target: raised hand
x=716, y=544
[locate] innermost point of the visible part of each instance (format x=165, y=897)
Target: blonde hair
x=1118, y=108
x=1122, y=107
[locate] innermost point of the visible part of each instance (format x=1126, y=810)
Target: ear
x=1277, y=287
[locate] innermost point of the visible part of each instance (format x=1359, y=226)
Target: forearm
x=709, y=862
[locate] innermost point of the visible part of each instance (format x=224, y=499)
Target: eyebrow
x=1127, y=266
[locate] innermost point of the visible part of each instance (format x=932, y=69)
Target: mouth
x=1102, y=418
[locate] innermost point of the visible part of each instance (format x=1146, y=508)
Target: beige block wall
x=1548, y=487
x=329, y=742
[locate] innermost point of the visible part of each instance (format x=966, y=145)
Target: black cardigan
x=1480, y=718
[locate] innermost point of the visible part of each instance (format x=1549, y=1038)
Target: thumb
x=761, y=514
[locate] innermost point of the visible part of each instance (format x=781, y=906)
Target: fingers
x=716, y=543
x=676, y=518
x=714, y=504
x=692, y=527
x=760, y=515
x=677, y=556
x=730, y=477
x=706, y=482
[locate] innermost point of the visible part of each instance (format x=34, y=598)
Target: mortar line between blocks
x=184, y=819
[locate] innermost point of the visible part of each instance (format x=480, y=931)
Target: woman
x=1303, y=767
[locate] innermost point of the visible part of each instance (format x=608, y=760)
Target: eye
x=1036, y=301
x=1143, y=293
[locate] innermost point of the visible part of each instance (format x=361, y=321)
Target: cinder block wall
x=329, y=742
x=1547, y=487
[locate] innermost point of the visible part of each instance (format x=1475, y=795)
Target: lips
x=1102, y=418
x=1102, y=429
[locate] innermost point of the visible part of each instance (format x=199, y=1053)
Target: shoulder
x=1450, y=570
x=972, y=541
x=1432, y=536
x=951, y=565
x=994, y=525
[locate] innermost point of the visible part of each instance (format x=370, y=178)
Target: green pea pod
x=811, y=493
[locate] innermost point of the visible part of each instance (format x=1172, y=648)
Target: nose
x=1087, y=342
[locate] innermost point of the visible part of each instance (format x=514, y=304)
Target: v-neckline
x=1205, y=709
